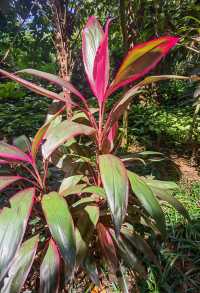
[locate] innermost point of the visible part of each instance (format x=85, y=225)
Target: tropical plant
x=90, y=210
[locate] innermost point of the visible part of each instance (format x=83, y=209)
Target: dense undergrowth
x=180, y=255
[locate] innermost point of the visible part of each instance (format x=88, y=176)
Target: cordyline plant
x=96, y=214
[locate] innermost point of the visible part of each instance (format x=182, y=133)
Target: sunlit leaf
x=92, y=36
x=84, y=201
x=70, y=182
x=96, y=190
x=141, y=59
x=102, y=67
x=37, y=140
x=73, y=190
x=115, y=182
x=62, y=133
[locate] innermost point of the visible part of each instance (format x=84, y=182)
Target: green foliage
x=167, y=124
x=180, y=254
x=111, y=229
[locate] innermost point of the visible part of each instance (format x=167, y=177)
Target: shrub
x=100, y=210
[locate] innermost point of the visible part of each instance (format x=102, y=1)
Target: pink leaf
x=10, y=152
x=96, y=56
x=102, y=67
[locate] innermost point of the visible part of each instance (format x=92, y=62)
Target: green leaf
x=7, y=180
x=37, y=140
x=20, y=267
x=95, y=190
x=22, y=142
x=115, y=182
x=84, y=201
x=127, y=254
x=62, y=133
x=13, y=222
x=139, y=243
x=163, y=192
x=166, y=185
x=148, y=200
x=61, y=225
x=50, y=269
x=87, y=221
x=70, y=182
x=73, y=190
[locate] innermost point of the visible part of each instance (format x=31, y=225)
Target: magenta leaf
x=96, y=56
x=9, y=152
x=102, y=67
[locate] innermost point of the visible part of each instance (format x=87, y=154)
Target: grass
x=180, y=254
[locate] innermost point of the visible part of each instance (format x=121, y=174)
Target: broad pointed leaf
x=141, y=59
x=54, y=79
x=62, y=133
x=127, y=254
x=102, y=67
x=37, y=140
x=22, y=142
x=87, y=221
x=9, y=152
x=61, y=226
x=148, y=200
x=50, y=270
x=96, y=190
x=13, y=222
x=70, y=182
x=163, y=190
x=92, y=37
x=121, y=105
x=73, y=190
x=108, y=247
x=33, y=87
x=21, y=266
x=139, y=243
x=83, y=202
x=115, y=182
x=7, y=180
